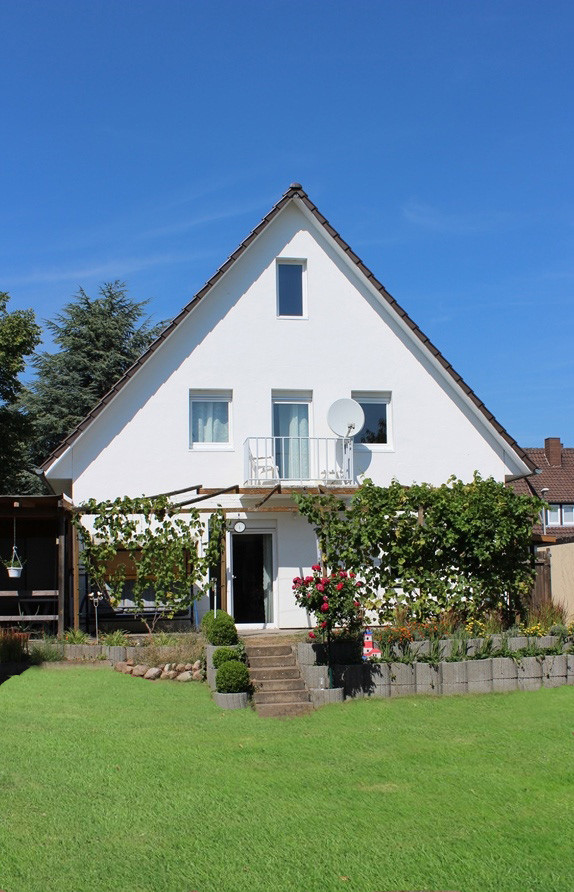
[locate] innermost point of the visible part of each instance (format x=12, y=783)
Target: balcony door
x=291, y=439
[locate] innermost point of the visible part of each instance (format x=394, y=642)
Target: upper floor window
x=291, y=288
x=560, y=515
x=209, y=417
x=377, y=421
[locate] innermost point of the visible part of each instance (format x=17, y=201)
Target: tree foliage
x=153, y=540
x=460, y=546
x=19, y=335
x=99, y=339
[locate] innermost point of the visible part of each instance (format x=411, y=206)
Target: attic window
x=290, y=288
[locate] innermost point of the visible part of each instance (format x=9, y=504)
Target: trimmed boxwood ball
x=232, y=678
x=225, y=655
x=206, y=623
x=222, y=629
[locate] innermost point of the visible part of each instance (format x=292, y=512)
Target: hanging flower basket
x=14, y=572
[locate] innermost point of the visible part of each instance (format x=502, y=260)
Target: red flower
x=352, y=575
x=356, y=603
x=324, y=606
x=320, y=587
x=312, y=635
x=324, y=623
x=343, y=574
x=316, y=567
x=340, y=585
x=325, y=598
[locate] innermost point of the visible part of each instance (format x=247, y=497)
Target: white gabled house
x=235, y=394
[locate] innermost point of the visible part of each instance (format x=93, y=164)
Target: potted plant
x=233, y=685
x=14, y=565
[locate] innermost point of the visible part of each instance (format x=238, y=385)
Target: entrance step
x=278, y=661
x=279, y=688
x=280, y=684
x=298, y=696
x=269, y=650
x=271, y=672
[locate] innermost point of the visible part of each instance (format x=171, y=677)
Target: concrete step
x=281, y=697
x=277, y=660
x=283, y=710
x=271, y=673
x=280, y=684
x=269, y=650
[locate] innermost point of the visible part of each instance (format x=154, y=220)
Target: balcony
x=299, y=461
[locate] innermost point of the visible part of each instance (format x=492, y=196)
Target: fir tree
x=99, y=339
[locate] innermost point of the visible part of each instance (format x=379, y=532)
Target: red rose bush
x=335, y=601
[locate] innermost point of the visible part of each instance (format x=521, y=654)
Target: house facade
x=553, y=536
x=235, y=402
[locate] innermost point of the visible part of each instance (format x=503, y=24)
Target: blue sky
x=144, y=140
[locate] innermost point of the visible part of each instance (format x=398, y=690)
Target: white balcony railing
x=298, y=461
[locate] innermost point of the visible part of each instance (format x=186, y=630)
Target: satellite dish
x=345, y=417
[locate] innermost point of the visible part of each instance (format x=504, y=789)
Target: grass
x=116, y=784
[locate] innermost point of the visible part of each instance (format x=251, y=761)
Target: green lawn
x=112, y=784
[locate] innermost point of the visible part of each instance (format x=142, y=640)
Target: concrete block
x=473, y=646
x=479, y=676
x=322, y=696
x=515, y=644
x=453, y=678
x=570, y=669
x=427, y=678
x=315, y=676
x=529, y=674
x=420, y=648
x=504, y=674
x=306, y=653
x=378, y=679
x=446, y=648
x=547, y=641
x=403, y=680
x=554, y=671
x=116, y=653
x=496, y=642
x=351, y=679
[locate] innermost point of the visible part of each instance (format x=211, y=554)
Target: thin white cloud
x=437, y=220
x=200, y=220
x=117, y=267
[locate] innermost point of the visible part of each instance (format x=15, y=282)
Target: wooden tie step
x=279, y=689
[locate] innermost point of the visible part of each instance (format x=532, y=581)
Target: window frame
x=375, y=397
x=292, y=261
x=554, y=507
x=211, y=396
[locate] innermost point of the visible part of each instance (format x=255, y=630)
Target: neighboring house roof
x=556, y=475
x=294, y=193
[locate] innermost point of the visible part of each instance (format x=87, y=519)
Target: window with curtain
x=291, y=437
x=209, y=418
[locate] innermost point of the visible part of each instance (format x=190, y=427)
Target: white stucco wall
x=233, y=340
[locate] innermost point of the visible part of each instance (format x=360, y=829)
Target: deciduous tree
x=19, y=335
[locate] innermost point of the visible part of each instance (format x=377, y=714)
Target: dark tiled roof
x=295, y=191
x=559, y=481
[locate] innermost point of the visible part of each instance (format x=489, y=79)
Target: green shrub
x=224, y=655
x=232, y=678
x=50, y=650
x=75, y=636
x=559, y=629
x=222, y=629
x=117, y=638
x=207, y=623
